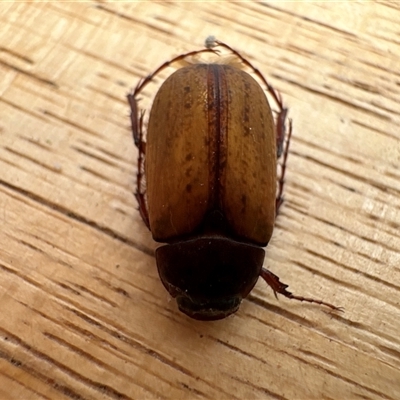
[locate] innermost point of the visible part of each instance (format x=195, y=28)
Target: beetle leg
x=136, y=120
x=140, y=197
x=280, y=132
x=279, y=287
x=280, y=127
x=137, y=131
x=140, y=188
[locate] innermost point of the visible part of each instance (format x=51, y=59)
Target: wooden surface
x=83, y=313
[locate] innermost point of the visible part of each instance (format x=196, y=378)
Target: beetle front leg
x=279, y=287
x=137, y=131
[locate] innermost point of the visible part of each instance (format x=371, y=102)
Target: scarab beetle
x=212, y=191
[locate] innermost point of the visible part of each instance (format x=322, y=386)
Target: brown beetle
x=212, y=192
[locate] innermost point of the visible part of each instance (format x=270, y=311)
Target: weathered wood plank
x=84, y=315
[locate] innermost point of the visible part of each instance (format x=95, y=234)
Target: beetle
x=207, y=183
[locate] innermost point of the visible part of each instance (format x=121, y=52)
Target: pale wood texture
x=83, y=313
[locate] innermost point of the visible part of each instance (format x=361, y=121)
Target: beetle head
x=209, y=275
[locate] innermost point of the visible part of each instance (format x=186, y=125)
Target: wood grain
x=83, y=313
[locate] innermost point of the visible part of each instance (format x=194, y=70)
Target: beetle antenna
x=280, y=287
x=143, y=82
x=271, y=90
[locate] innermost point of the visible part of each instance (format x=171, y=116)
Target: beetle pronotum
x=212, y=192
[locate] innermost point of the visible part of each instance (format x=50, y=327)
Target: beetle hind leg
x=279, y=287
